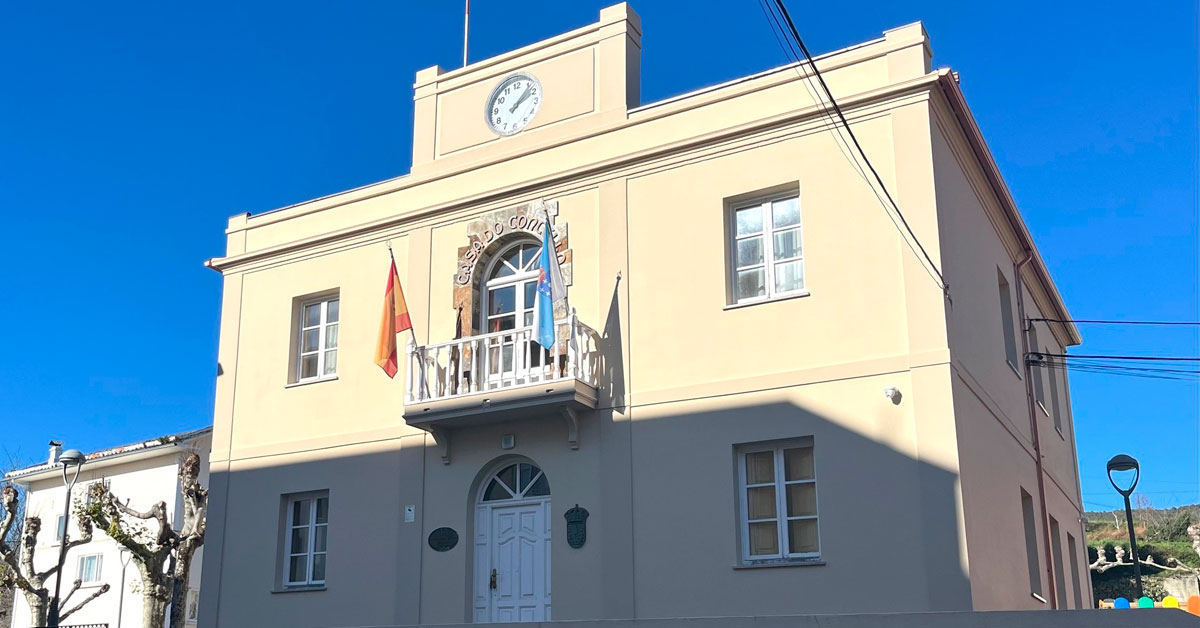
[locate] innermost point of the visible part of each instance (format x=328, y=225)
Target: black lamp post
x=1122, y=462
x=69, y=458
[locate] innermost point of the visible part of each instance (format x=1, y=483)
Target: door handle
x=492, y=583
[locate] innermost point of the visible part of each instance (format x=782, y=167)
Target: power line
x=1121, y=357
x=1112, y=322
x=791, y=26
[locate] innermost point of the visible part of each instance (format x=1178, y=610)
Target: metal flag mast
x=466, y=23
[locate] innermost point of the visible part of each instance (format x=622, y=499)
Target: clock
x=513, y=104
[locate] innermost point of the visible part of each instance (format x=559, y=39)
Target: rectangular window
x=1031, y=549
x=60, y=528
x=1006, y=319
x=767, y=258
x=193, y=602
x=1075, y=587
x=89, y=568
x=1055, y=409
x=1039, y=389
x=778, y=501
x=306, y=539
x=1060, y=576
x=318, y=340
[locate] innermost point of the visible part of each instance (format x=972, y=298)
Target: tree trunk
x=179, y=595
x=154, y=609
x=39, y=606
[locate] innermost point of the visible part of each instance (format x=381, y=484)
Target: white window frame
x=322, y=328
x=60, y=528
x=193, y=604
x=781, y=517
x=309, y=552
x=99, y=568
x=768, y=245
x=1039, y=383
x=1007, y=320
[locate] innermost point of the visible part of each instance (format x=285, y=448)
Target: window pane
x=495, y=491
x=526, y=475
x=331, y=336
x=798, y=463
x=330, y=362
x=318, y=567
x=312, y=315
x=331, y=312
x=512, y=257
x=760, y=467
x=540, y=487
x=760, y=502
x=749, y=221
x=764, y=538
x=530, y=293
x=320, y=538
x=502, y=300
x=751, y=283
x=298, y=569
x=308, y=366
x=785, y=213
x=509, y=476
x=789, y=276
x=529, y=253
x=801, y=499
x=787, y=244
x=802, y=536
x=310, y=339
x=300, y=512
x=749, y=251
x=322, y=510
x=503, y=323
x=299, y=540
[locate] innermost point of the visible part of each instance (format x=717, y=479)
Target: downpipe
x=1051, y=589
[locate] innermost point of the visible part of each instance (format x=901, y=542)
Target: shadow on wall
x=888, y=524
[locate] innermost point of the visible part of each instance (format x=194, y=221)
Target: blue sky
x=129, y=132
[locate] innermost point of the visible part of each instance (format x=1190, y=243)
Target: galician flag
x=550, y=288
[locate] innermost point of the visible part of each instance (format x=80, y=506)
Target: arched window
x=518, y=481
x=510, y=287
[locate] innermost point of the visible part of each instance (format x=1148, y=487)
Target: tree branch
x=85, y=527
x=101, y=591
x=8, y=498
x=75, y=587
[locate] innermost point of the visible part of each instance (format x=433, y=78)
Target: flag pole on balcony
x=550, y=289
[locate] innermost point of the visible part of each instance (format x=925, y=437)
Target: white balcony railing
x=501, y=360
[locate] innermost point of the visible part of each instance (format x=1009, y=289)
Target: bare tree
x=19, y=571
x=163, y=556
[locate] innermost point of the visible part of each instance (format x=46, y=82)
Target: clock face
x=513, y=104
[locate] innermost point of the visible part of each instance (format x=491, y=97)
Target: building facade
x=142, y=473
x=761, y=400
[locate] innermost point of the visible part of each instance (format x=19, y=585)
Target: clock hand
x=520, y=100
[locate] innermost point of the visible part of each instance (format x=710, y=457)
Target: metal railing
x=501, y=360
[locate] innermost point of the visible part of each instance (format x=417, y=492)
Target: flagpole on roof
x=466, y=23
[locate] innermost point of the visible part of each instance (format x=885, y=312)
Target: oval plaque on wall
x=443, y=539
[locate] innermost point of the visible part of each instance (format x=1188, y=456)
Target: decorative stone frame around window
x=491, y=234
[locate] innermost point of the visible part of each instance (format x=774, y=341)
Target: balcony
x=502, y=376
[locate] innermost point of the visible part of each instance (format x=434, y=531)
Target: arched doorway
x=509, y=288
x=512, y=545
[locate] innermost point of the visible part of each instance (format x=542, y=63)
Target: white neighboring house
x=142, y=473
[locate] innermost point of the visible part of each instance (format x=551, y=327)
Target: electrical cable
x=1112, y=322
x=787, y=18
x=844, y=145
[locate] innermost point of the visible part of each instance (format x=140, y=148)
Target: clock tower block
x=589, y=78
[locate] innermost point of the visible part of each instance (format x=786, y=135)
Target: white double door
x=512, y=562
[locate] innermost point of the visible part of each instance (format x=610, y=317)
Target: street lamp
x=69, y=458
x=1122, y=462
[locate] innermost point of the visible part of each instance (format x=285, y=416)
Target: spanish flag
x=395, y=320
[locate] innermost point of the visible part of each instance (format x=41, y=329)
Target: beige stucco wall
x=645, y=191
